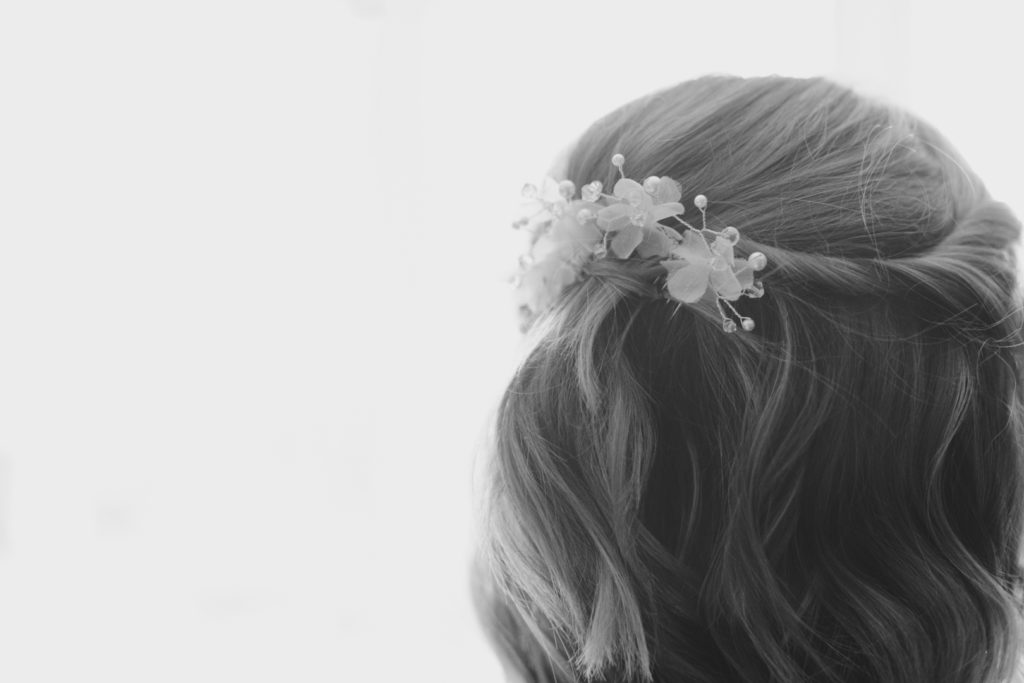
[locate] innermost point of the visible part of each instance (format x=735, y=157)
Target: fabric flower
x=540, y=205
x=695, y=265
x=566, y=234
x=635, y=218
x=541, y=285
x=559, y=254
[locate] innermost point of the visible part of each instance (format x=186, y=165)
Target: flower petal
x=693, y=247
x=562, y=276
x=548, y=191
x=672, y=233
x=582, y=237
x=633, y=193
x=725, y=284
x=626, y=241
x=614, y=217
x=663, y=211
x=654, y=243
x=545, y=246
x=686, y=282
x=723, y=247
x=533, y=290
x=625, y=188
x=744, y=273
x=576, y=205
x=667, y=191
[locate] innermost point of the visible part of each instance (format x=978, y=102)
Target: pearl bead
x=651, y=184
x=748, y=324
x=729, y=325
x=757, y=260
x=529, y=190
x=731, y=235
x=592, y=191
x=567, y=188
x=618, y=160
x=701, y=202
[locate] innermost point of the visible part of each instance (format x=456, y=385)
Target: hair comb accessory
x=567, y=233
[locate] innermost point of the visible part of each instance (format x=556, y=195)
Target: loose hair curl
x=836, y=496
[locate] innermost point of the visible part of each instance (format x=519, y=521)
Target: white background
x=253, y=315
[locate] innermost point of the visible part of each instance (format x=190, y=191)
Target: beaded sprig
x=568, y=233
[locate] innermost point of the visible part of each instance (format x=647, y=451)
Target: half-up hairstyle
x=835, y=496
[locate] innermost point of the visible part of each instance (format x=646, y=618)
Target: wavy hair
x=836, y=496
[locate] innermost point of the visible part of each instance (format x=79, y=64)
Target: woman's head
x=835, y=496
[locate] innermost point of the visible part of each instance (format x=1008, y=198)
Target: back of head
x=834, y=496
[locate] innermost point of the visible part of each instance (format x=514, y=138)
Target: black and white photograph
x=546, y=341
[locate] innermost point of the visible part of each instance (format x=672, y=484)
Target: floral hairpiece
x=568, y=233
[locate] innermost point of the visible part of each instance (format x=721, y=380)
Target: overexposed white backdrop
x=253, y=308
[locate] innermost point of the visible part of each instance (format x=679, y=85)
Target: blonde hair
x=836, y=496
